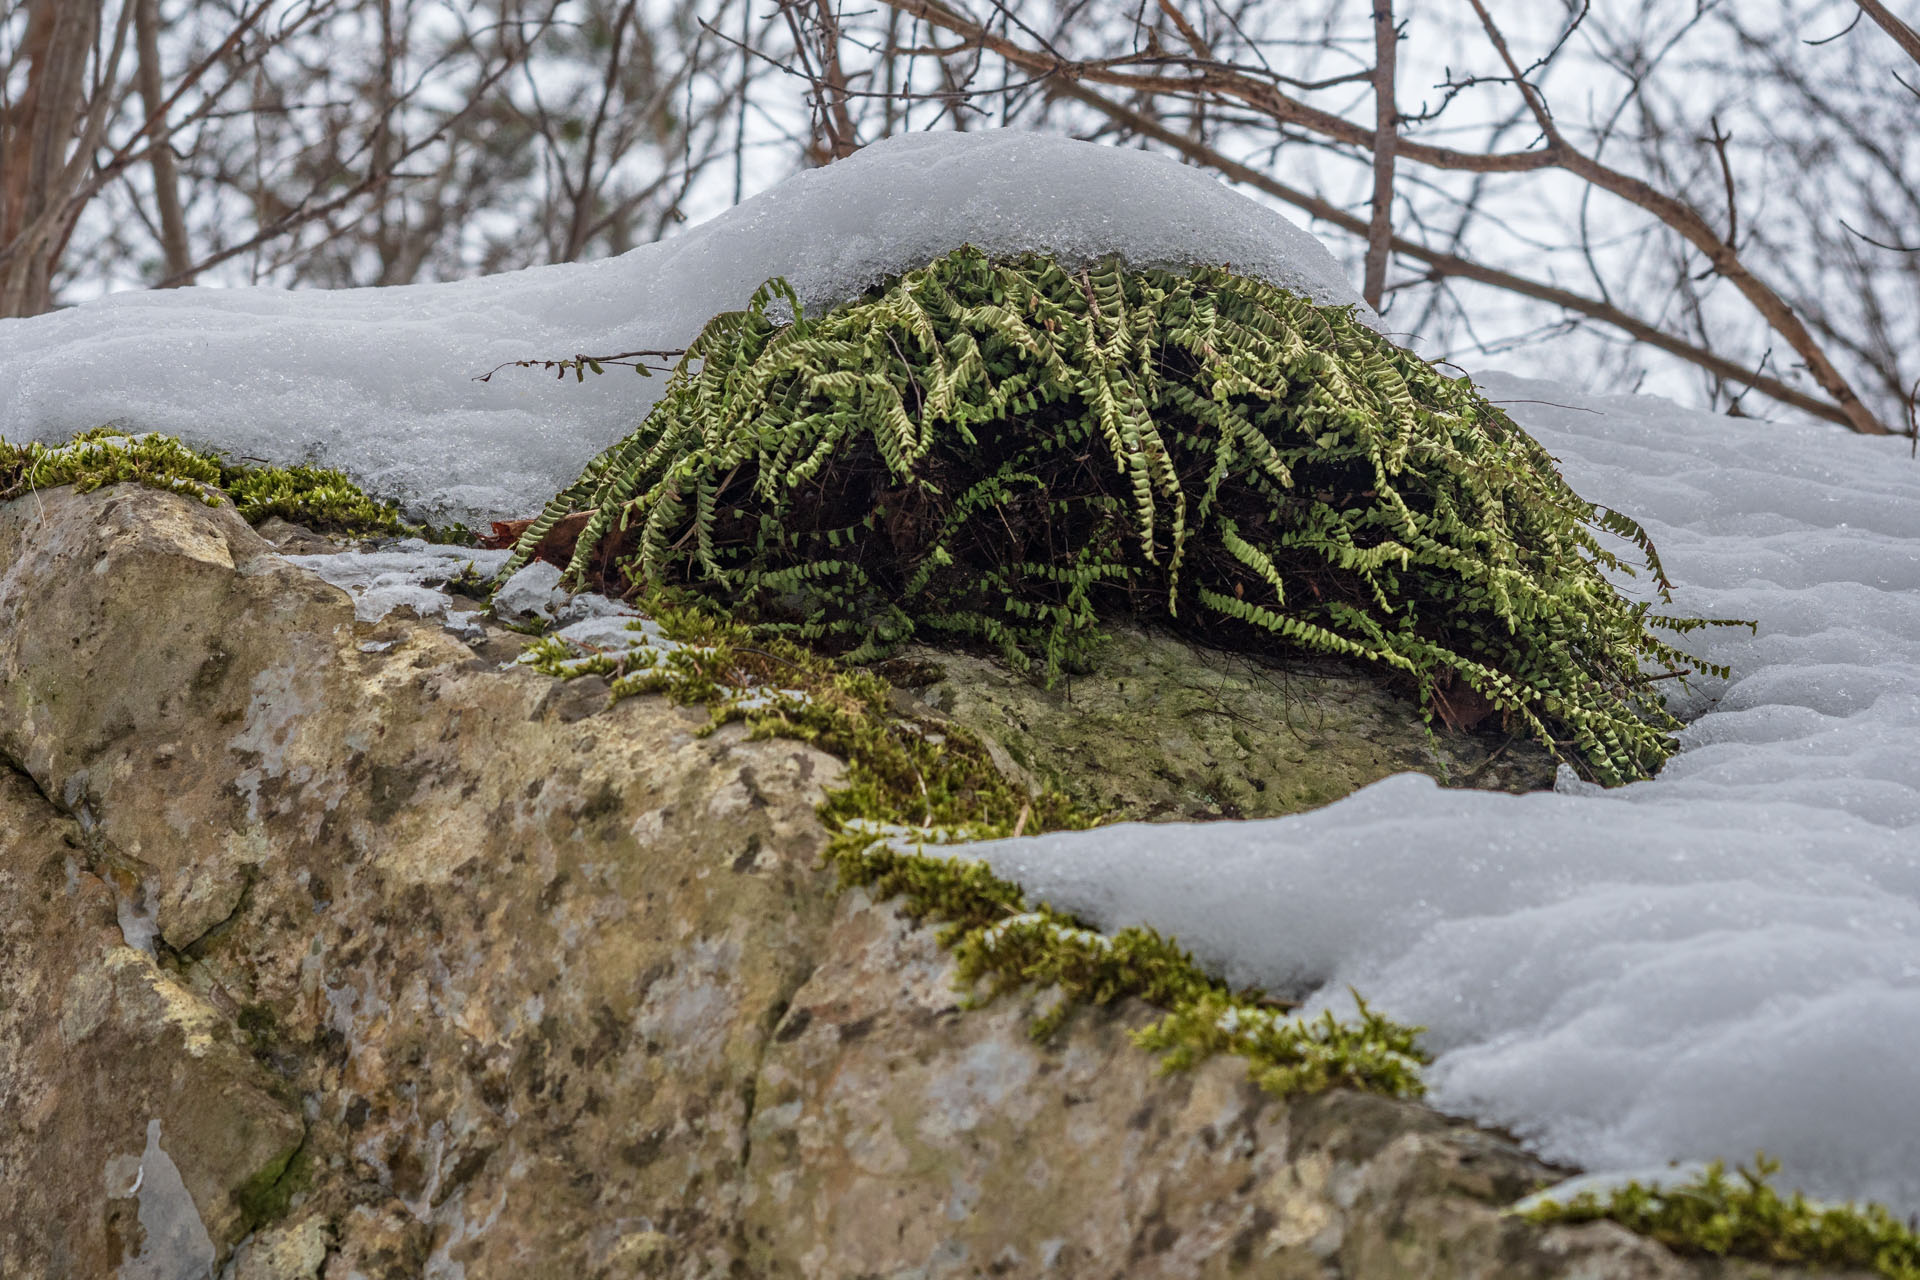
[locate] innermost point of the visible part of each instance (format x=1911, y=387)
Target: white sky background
x=1533, y=224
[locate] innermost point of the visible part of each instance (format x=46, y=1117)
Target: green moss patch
x=912, y=785
x=1007, y=452
x=268, y=1194
x=320, y=498
x=1744, y=1216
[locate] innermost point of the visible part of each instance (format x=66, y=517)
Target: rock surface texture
x=334, y=949
x=1165, y=730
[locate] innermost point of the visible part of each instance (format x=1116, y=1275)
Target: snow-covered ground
x=1723, y=959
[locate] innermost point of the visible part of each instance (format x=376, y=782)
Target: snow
x=1723, y=959
x=1601, y=1186
x=382, y=382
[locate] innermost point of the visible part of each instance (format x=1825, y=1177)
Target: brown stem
x=1720, y=141
x=176, y=252
x=843, y=139
x=39, y=129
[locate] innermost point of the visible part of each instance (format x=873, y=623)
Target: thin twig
x=628, y=359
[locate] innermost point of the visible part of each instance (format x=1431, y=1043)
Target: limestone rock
x=513, y=963
x=1162, y=729
x=332, y=949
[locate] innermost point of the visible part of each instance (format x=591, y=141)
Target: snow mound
x=1721, y=960
x=381, y=382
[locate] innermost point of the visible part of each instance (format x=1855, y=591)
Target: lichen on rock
x=913, y=786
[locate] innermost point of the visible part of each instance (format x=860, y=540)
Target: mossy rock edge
x=318, y=498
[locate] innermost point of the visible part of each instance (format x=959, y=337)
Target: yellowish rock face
x=1161, y=730
x=354, y=953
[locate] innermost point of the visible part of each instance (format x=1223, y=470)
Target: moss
x=1744, y=1216
x=318, y=497
x=107, y=456
x=912, y=784
x=268, y=1194
x=258, y=1025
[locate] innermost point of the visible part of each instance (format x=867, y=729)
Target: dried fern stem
x=1006, y=452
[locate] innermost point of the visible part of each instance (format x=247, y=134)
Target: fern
x=1006, y=451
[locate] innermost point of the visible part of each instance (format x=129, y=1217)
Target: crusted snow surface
x=1721, y=960
x=382, y=382
x=405, y=573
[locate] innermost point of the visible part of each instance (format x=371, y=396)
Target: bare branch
x=1720, y=141
x=1443, y=265
x=1284, y=110
x=1386, y=136
x=1880, y=244
x=1903, y=35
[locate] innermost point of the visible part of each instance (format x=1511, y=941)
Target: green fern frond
x=1007, y=452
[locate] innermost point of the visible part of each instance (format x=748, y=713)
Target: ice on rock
x=533, y=591
x=591, y=605
x=408, y=573
x=382, y=382
x=613, y=635
x=413, y=573
x=1721, y=960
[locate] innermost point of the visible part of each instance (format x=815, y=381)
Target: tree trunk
x=35, y=134
x=1386, y=136
x=174, y=246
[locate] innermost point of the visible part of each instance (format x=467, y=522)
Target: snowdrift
x=381, y=383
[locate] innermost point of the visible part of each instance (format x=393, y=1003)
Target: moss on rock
x=1158, y=729
x=319, y=498
x=1745, y=1216
x=266, y=1197
x=914, y=784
